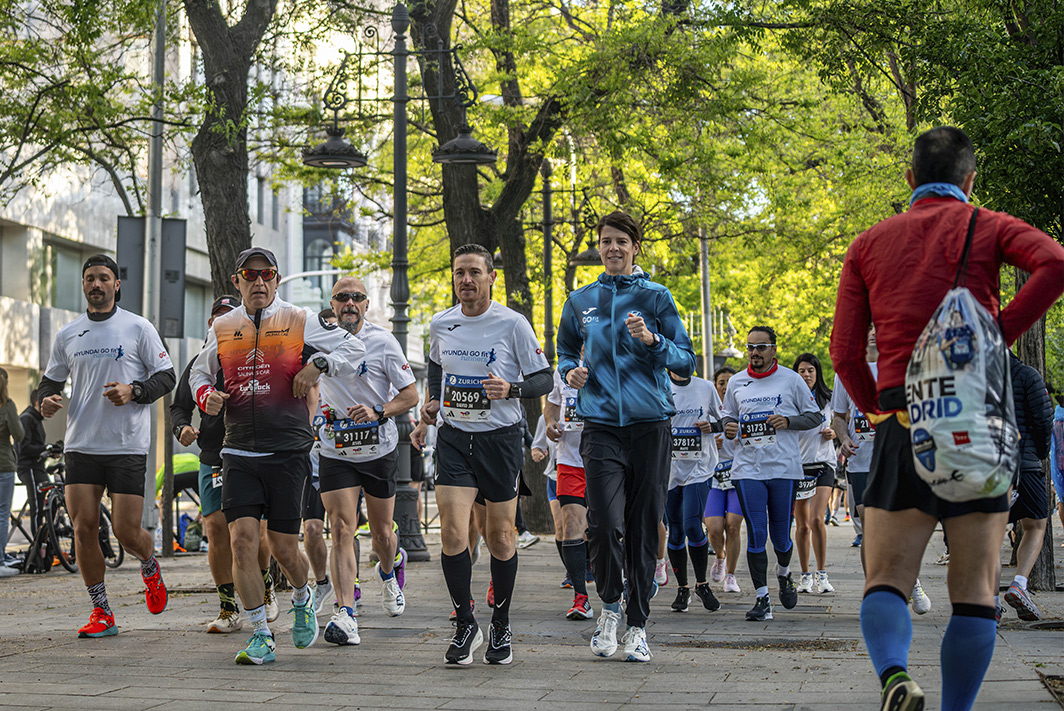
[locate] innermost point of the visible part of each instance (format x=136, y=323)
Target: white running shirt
x=499, y=341
x=694, y=453
x=122, y=348
x=814, y=448
x=567, y=448
x=860, y=429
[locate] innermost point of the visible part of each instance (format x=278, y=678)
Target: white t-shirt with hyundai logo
x=378, y=377
x=122, y=348
x=860, y=428
x=499, y=341
x=694, y=453
x=763, y=452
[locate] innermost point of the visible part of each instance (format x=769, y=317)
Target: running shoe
x=683, y=599
x=228, y=621
x=805, y=583
x=716, y=573
x=857, y=541
x=846, y=518
x=342, y=629
x=499, y=638
x=101, y=624
x=474, y=552
x=7, y=571
x=902, y=694
x=270, y=601
x=363, y=530
x=833, y=521
x=999, y=612
x=761, y=611
x=259, y=650
x=453, y=617
x=526, y=539
x=491, y=594
x=391, y=596
x=581, y=609
x=467, y=638
x=399, y=568
x=567, y=582
x=661, y=572
x=822, y=585
x=321, y=594
x=731, y=584
x=304, y=623
x=943, y=559
x=709, y=600
x=635, y=645
x=155, y=592
x=604, y=641
x=920, y=601
x=788, y=593
x=1019, y=600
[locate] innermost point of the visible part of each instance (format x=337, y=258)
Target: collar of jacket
x=622, y=280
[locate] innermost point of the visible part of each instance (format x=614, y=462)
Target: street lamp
x=337, y=153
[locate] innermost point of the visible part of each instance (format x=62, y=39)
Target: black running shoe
x=788, y=592
x=902, y=694
x=498, y=651
x=761, y=611
x=467, y=637
x=683, y=598
x=709, y=600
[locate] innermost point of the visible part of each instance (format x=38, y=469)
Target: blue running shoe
x=304, y=623
x=260, y=650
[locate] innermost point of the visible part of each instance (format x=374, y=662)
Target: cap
x=247, y=254
x=225, y=301
x=102, y=260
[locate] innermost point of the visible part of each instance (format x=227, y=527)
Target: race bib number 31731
x=464, y=399
x=755, y=430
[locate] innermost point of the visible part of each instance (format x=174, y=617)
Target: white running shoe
x=635, y=645
x=822, y=585
x=228, y=621
x=526, y=539
x=661, y=572
x=716, y=573
x=391, y=596
x=805, y=585
x=322, y=594
x=920, y=601
x=731, y=584
x=272, y=608
x=604, y=641
x=342, y=629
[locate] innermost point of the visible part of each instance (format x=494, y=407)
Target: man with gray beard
x=359, y=441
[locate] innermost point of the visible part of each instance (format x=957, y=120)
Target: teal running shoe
x=260, y=650
x=305, y=623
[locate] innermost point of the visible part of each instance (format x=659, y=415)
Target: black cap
x=225, y=301
x=102, y=260
x=247, y=254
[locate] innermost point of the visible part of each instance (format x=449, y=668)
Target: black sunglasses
x=252, y=274
x=759, y=347
x=344, y=296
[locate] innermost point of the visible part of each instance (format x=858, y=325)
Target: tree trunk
x=1031, y=349
x=219, y=149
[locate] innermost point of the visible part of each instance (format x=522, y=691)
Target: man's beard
x=350, y=326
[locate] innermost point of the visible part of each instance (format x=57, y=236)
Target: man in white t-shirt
x=483, y=358
x=359, y=454
x=118, y=367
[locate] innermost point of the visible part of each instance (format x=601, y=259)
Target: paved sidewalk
x=811, y=657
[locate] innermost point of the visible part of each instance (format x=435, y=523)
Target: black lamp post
x=338, y=153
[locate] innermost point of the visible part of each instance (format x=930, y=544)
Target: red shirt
x=897, y=272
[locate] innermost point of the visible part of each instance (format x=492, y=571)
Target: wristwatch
x=177, y=430
x=321, y=363
x=515, y=392
x=138, y=391
x=379, y=411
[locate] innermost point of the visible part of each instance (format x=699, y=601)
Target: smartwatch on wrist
x=138, y=391
x=379, y=411
x=321, y=363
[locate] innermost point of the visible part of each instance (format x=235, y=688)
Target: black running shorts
x=269, y=487
x=376, y=476
x=489, y=462
x=1034, y=500
x=119, y=473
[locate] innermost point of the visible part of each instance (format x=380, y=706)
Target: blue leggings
x=768, y=509
x=683, y=511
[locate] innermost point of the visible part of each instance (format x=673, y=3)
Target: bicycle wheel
x=113, y=555
x=61, y=532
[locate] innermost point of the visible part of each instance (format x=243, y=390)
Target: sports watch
x=379, y=411
x=138, y=391
x=321, y=363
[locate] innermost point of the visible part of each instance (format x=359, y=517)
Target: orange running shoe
x=101, y=624
x=155, y=592
x=491, y=593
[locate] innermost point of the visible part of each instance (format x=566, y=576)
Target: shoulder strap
x=962, y=268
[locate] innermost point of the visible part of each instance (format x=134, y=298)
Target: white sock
x=301, y=595
x=257, y=617
x=761, y=592
x=1021, y=581
x=781, y=571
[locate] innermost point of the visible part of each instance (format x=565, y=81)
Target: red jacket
x=897, y=272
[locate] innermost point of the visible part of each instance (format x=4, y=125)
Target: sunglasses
x=341, y=297
x=759, y=347
x=253, y=274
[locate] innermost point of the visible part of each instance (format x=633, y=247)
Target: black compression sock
x=758, y=563
x=456, y=572
x=783, y=558
x=561, y=553
x=574, y=555
x=678, y=560
x=699, y=560
x=503, y=575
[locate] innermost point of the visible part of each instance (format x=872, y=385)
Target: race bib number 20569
x=464, y=399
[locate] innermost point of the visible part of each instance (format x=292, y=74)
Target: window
x=276, y=216
x=197, y=302
x=64, y=264
x=260, y=200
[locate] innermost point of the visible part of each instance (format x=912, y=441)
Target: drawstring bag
x=959, y=395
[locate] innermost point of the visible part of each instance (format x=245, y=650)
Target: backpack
x=959, y=395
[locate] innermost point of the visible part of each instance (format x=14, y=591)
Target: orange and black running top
x=259, y=356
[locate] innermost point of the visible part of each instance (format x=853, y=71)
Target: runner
x=694, y=459
x=723, y=514
x=360, y=456
x=895, y=275
x=766, y=406
x=818, y=464
x=617, y=337
x=478, y=351
x=209, y=438
x=118, y=367
x=259, y=347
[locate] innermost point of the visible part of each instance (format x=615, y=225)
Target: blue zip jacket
x=627, y=382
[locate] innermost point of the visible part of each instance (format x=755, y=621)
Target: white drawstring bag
x=959, y=395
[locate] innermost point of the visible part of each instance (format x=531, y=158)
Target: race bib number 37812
x=686, y=443
x=464, y=399
x=755, y=430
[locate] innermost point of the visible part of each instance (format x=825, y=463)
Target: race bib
x=573, y=422
x=353, y=438
x=464, y=399
x=317, y=425
x=722, y=473
x=216, y=477
x=755, y=430
x=686, y=443
x=806, y=489
x=862, y=429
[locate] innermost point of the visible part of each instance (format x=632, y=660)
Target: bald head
x=349, y=302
